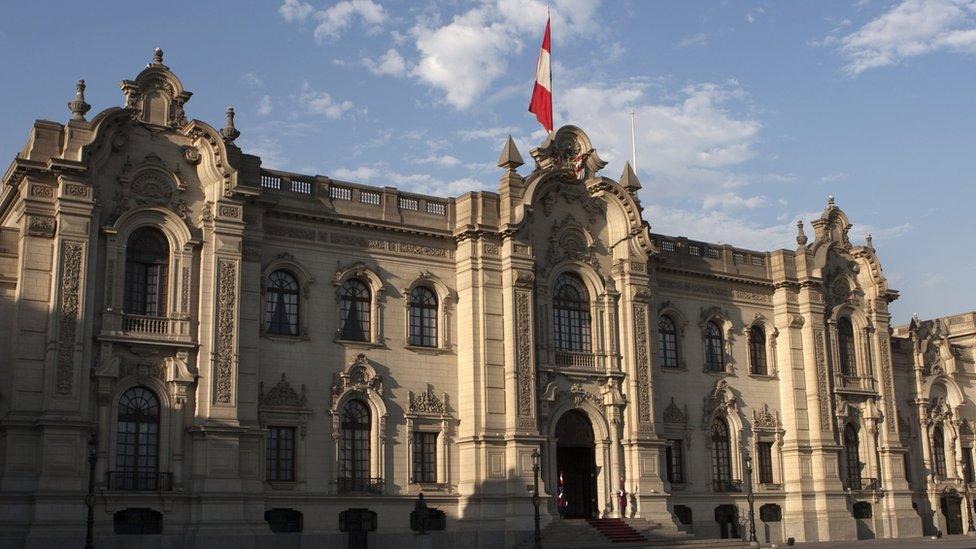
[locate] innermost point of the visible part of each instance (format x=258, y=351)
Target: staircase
x=624, y=533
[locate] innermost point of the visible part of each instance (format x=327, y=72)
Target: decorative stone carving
x=427, y=402
x=765, y=418
x=144, y=369
x=523, y=278
x=568, y=150
x=42, y=191
x=226, y=356
x=580, y=394
x=824, y=396
x=38, y=225
x=938, y=411
x=889, y=385
x=643, y=365
x=524, y=367
x=796, y=321
x=358, y=376
x=721, y=399
x=673, y=414
x=69, y=310
x=718, y=291
x=282, y=395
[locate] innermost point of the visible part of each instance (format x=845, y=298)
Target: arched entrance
x=576, y=462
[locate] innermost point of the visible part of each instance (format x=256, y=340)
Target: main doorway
x=728, y=521
x=576, y=462
x=952, y=511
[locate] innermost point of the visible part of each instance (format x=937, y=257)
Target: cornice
x=359, y=223
x=720, y=277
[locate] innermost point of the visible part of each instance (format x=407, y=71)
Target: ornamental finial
x=78, y=107
x=830, y=200
x=229, y=132
x=801, y=239
x=870, y=241
x=157, y=56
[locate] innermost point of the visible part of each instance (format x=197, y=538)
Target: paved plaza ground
x=947, y=542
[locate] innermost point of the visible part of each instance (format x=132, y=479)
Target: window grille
x=424, y=457
x=281, y=454
x=571, y=314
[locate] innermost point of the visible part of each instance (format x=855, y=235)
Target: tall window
x=721, y=456
x=354, y=447
x=571, y=314
x=852, y=449
x=424, y=457
x=281, y=453
x=423, y=317
x=714, y=354
x=845, y=340
x=938, y=452
x=674, y=456
x=668, y=335
x=137, y=449
x=967, y=463
x=146, y=265
x=765, y=455
x=354, y=305
x=757, y=350
x=281, y=304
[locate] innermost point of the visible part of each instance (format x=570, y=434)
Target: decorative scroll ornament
x=765, y=418
x=673, y=414
x=282, y=395
x=939, y=411
x=580, y=395
x=143, y=369
x=358, y=376
x=721, y=400
x=427, y=402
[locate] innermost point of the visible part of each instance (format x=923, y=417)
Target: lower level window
x=424, y=457
x=138, y=521
x=765, y=450
x=675, y=462
x=281, y=454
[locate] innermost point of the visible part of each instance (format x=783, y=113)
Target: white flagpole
x=633, y=138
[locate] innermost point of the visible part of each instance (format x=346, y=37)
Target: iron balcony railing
x=734, y=485
x=359, y=485
x=140, y=481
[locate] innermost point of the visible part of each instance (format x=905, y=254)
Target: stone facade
x=785, y=352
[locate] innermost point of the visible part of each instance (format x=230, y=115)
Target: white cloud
x=294, y=10
x=832, y=177
x=320, y=102
x=693, y=41
x=724, y=228
x=264, y=106
x=754, y=13
x=251, y=80
x=909, y=29
x=730, y=200
x=380, y=174
x=332, y=22
x=337, y=18
x=463, y=58
x=390, y=63
x=494, y=134
x=269, y=149
x=445, y=160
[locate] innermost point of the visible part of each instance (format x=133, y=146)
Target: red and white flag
x=541, y=104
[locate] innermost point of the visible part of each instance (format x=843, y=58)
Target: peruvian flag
x=541, y=104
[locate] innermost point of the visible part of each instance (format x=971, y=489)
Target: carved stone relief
x=524, y=365
x=68, y=314
x=824, y=399
x=226, y=356
x=643, y=365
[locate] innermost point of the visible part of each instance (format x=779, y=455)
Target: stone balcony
x=854, y=384
x=146, y=328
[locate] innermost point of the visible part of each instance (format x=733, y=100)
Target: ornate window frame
x=287, y=262
x=169, y=415
x=359, y=380
x=283, y=406
x=446, y=300
x=720, y=318
x=863, y=331
x=603, y=298
x=429, y=414
x=771, y=333
x=368, y=276
x=676, y=427
x=721, y=402
x=669, y=310
x=767, y=427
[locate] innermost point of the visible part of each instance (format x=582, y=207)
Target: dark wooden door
x=728, y=522
x=952, y=511
x=578, y=468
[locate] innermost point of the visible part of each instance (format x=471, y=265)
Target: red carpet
x=616, y=530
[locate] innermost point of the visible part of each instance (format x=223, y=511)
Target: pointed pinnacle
x=230, y=132
x=628, y=179
x=510, y=157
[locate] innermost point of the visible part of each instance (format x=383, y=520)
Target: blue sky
x=749, y=113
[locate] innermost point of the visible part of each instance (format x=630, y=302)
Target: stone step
x=579, y=534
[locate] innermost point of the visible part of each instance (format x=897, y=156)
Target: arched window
x=146, y=272
x=668, y=335
x=845, y=340
x=281, y=304
x=571, y=314
x=354, y=448
x=137, y=446
x=938, y=452
x=423, y=317
x=757, y=349
x=852, y=449
x=714, y=353
x=721, y=456
x=354, y=308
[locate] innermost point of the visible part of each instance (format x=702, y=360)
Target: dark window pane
x=845, y=341
x=938, y=452
x=571, y=314
x=137, y=440
x=281, y=304
x=757, y=350
x=668, y=342
x=721, y=455
x=852, y=449
x=354, y=310
x=281, y=453
x=967, y=457
x=675, y=461
x=765, y=450
x=423, y=317
x=424, y=457
x=146, y=270
x=354, y=446
x=714, y=348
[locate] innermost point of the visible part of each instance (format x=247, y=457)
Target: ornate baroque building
x=246, y=352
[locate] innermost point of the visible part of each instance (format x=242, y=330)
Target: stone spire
x=510, y=157
x=78, y=107
x=801, y=239
x=628, y=179
x=229, y=132
x=870, y=241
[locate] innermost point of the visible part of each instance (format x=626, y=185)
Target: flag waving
x=541, y=104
